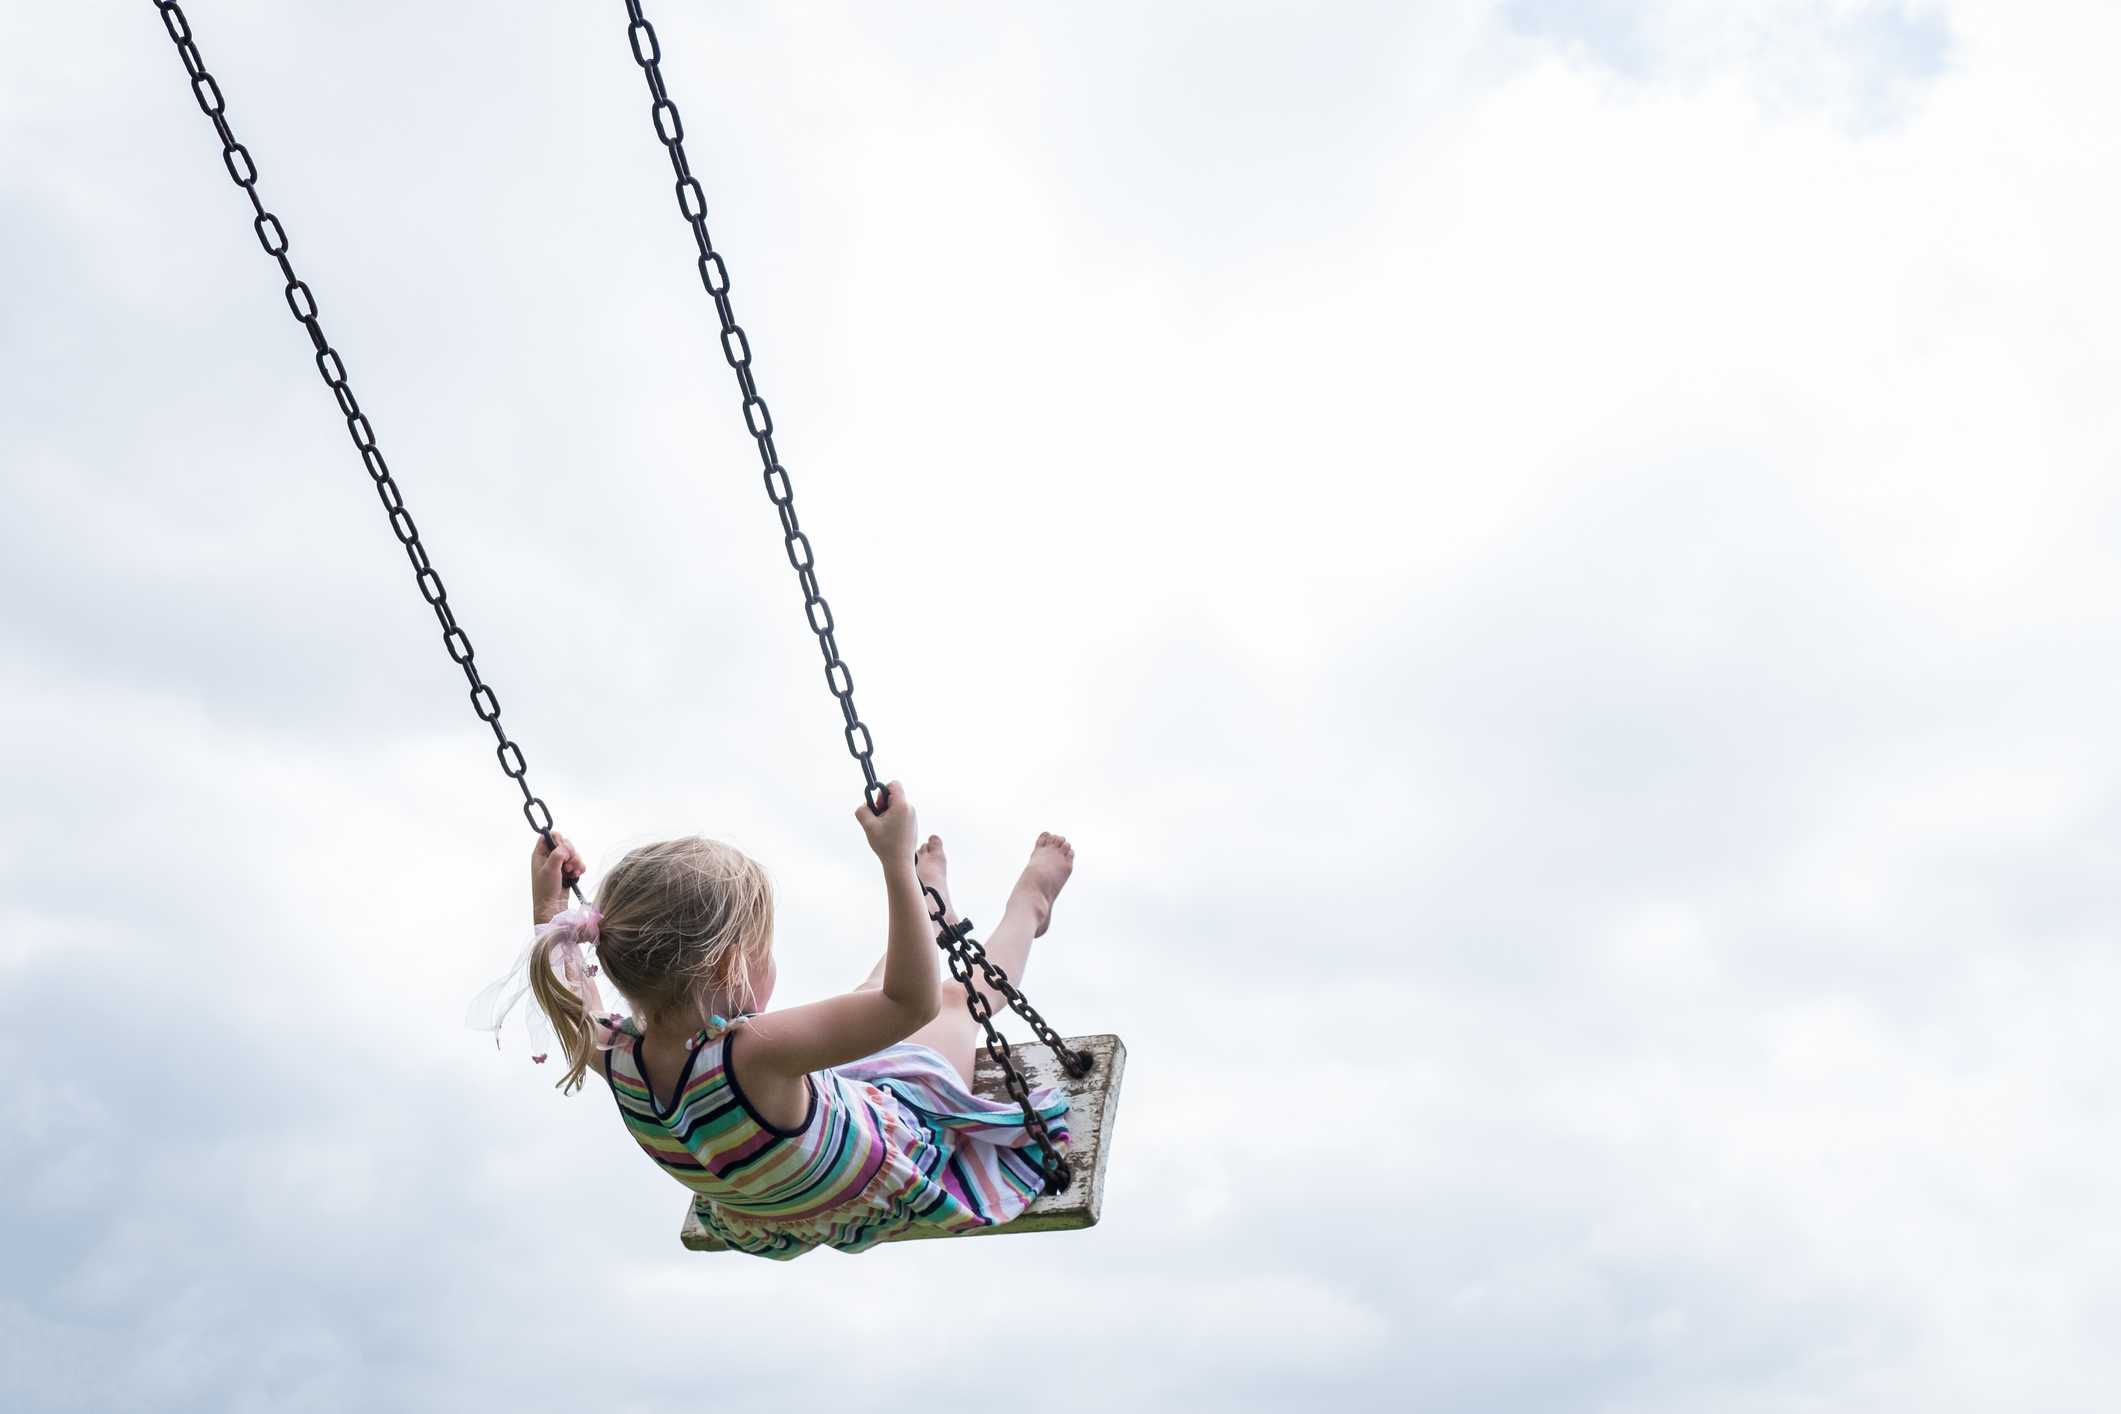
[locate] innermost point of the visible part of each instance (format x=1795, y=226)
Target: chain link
x=303, y=305
x=736, y=349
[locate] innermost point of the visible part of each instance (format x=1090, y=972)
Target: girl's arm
x=790, y=1044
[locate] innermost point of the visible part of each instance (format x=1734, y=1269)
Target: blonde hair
x=681, y=918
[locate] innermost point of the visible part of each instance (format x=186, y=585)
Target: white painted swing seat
x=1093, y=1101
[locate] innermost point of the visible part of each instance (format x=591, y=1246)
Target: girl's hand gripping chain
x=554, y=868
x=891, y=834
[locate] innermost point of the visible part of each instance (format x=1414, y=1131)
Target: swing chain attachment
x=965, y=952
x=736, y=348
x=303, y=305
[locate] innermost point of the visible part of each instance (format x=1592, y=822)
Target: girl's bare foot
x=1052, y=860
x=932, y=868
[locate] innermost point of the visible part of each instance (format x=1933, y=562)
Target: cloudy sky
x=1557, y=560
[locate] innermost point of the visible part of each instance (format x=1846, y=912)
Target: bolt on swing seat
x=1093, y=1104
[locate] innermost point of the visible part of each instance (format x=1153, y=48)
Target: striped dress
x=890, y=1142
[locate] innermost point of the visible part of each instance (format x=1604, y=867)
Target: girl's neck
x=681, y=1021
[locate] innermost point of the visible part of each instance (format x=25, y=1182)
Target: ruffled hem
x=954, y=1161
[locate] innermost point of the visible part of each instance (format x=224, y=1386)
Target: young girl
x=833, y=1124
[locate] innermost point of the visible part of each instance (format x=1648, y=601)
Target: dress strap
x=613, y=1031
x=717, y=1026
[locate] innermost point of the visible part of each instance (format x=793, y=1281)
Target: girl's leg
x=934, y=871
x=953, y=1032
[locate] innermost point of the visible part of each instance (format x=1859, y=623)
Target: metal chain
x=273, y=237
x=692, y=203
x=956, y=940
x=965, y=952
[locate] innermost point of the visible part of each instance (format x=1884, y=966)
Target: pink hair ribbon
x=558, y=944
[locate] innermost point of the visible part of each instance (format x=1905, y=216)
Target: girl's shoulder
x=782, y=1104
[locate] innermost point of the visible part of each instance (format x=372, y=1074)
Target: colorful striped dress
x=890, y=1142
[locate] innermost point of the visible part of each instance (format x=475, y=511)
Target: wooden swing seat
x=1093, y=1101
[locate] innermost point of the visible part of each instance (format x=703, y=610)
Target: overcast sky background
x=1556, y=560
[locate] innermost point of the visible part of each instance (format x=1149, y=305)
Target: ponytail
x=558, y=981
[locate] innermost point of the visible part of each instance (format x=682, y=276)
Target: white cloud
x=1557, y=563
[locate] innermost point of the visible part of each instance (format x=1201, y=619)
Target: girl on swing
x=834, y=1124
